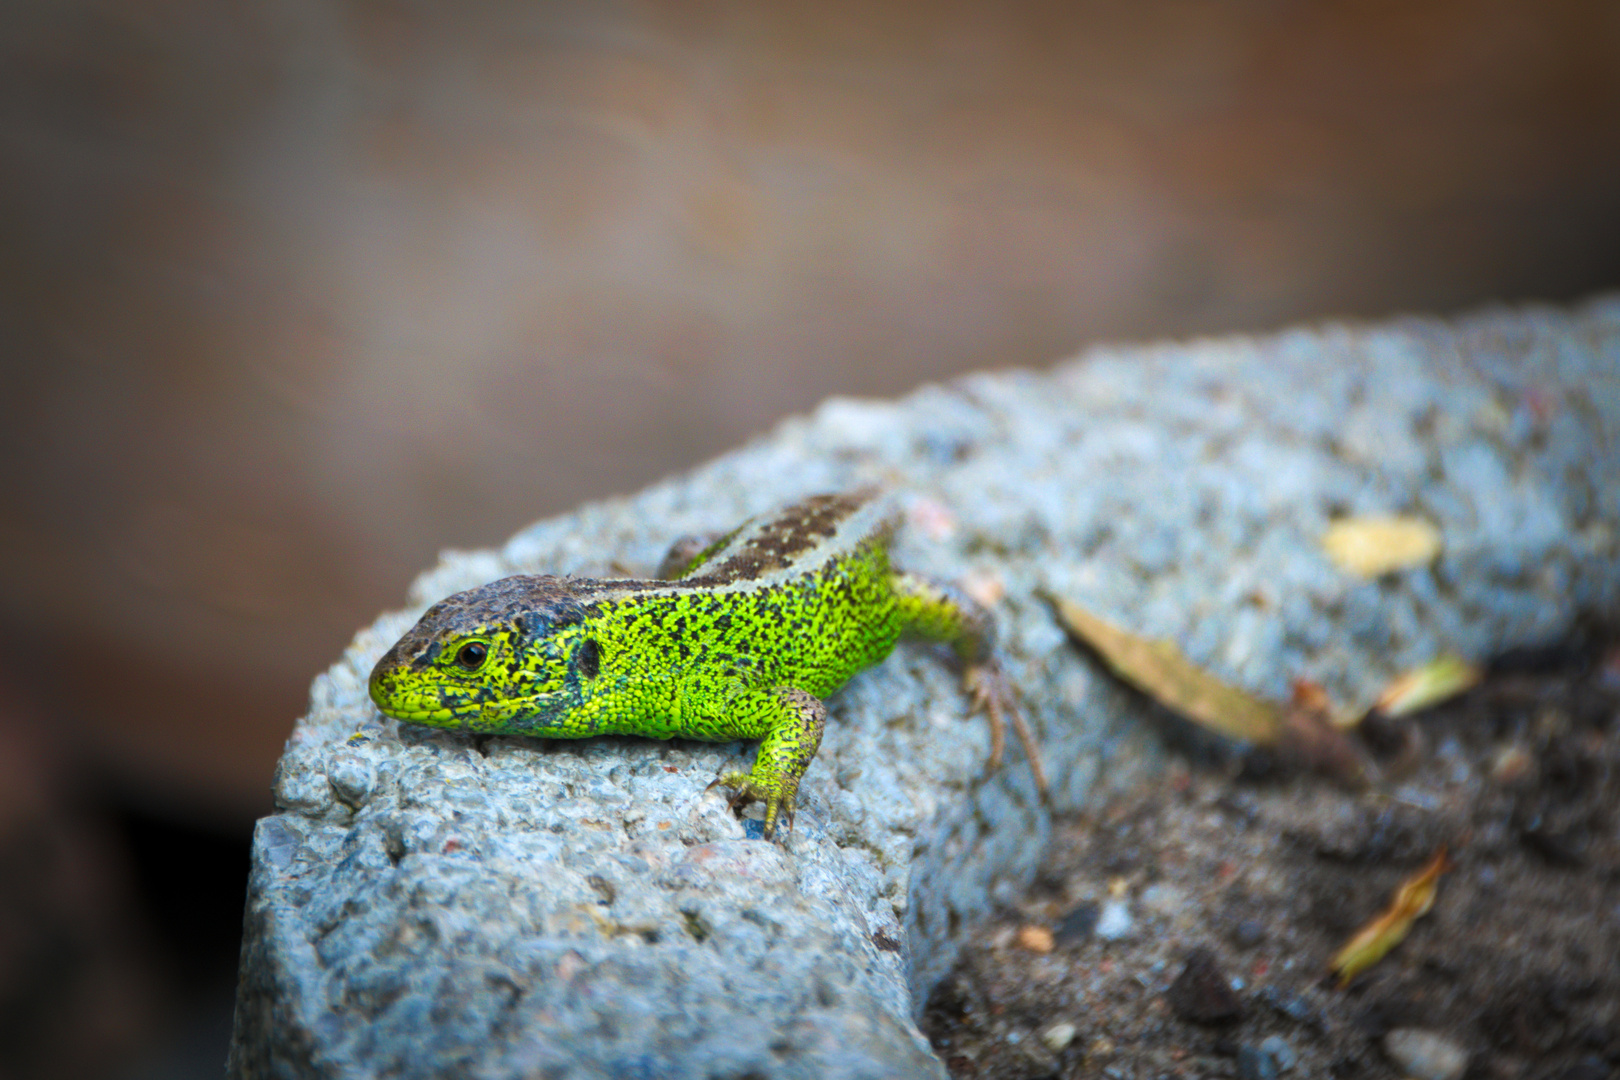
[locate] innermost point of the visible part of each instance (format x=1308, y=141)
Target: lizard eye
x=472, y=655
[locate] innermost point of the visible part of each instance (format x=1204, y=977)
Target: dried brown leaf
x=1371, y=546
x=1158, y=669
x=1374, y=940
x=1311, y=740
x=1441, y=678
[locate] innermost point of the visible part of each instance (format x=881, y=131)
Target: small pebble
x=1276, y=1047
x=1255, y=1064
x=1248, y=933
x=1162, y=899
x=352, y=778
x=1115, y=921
x=1559, y=846
x=1290, y=1005
x=1058, y=1036
x=1036, y=939
x=1510, y=764
x=281, y=842
x=1079, y=923
x=1425, y=1055
x=1202, y=993
x=1270, y=1059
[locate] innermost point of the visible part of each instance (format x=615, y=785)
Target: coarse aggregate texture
x=430, y=903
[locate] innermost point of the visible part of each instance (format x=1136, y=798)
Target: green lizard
x=742, y=642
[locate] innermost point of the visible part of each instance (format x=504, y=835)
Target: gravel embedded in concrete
x=426, y=903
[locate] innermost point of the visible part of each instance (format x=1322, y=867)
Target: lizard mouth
x=470, y=715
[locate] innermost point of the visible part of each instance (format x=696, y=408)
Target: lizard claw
x=989, y=690
x=778, y=804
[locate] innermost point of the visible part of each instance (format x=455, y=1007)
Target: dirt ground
x=1184, y=929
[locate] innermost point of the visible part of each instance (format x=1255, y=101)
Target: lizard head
x=511, y=655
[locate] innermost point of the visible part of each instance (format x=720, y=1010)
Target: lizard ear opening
x=588, y=658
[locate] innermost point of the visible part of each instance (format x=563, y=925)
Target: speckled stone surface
x=429, y=904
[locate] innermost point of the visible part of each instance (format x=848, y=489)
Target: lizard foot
x=778, y=798
x=989, y=689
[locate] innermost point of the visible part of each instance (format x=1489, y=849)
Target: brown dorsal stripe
x=775, y=544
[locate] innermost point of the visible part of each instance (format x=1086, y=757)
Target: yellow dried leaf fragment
x=1413, y=691
x=1158, y=669
x=1412, y=899
x=1370, y=546
x=1035, y=939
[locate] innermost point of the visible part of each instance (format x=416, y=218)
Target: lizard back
x=800, y=597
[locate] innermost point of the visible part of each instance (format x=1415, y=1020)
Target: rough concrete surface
x=433, y=904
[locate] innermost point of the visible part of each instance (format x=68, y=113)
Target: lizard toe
x=990, y=690
x=778, y=811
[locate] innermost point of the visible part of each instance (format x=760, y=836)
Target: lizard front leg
x=791, y=722
x=940, y=612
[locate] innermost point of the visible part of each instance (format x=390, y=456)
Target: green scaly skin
x=743, y=644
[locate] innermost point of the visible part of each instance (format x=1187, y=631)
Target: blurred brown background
x=298, y=293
